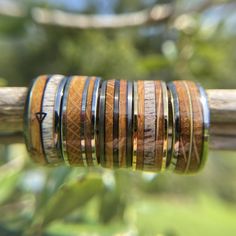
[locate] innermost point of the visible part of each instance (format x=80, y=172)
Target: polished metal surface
x=206, y=123
x=175, y=127
x=166, y=124
x=83, y=117
x=94, y=139
x=62, y=120
x=57, y=111
x=135, y=114
x=116, y=124
x=129, y=124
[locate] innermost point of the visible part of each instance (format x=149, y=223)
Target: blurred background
x=143, y=39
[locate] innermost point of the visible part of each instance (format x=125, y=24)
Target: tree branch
x=222, y=105
x=157, y=14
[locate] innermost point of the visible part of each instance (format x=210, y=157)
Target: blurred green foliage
x=200, y=46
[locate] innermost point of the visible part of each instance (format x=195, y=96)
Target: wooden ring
x=33, y=119
x=71, y=120
x=109, y=113
x=102, y=108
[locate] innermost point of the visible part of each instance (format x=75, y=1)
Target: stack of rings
x=143, y=125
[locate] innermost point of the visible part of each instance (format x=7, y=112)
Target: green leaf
x=68, y=198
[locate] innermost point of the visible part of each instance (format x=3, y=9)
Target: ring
x=116, y=124
x=94, y=120
x=48, y=120
x=57, y=112
x=175, y=126
x=33, y=119
x=71, y=121
x=135, y=121
x=191, y=114
x=122, y=123
x=129, y=124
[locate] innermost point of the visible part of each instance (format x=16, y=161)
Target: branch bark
x=222, y=106
x=154, y=15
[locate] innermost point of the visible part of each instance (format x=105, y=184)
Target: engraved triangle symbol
x=40, y=116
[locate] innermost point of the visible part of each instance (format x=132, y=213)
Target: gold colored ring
x=135, y=115
x=166, y=124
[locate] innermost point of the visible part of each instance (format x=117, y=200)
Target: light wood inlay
x=122, y=123
x=88, y=123
x=36, y=151
x=109, y=123
x=185, y=129
x=73, y=120
x=149, y=125
x=48, y=124
x=159, y=125
x=140, y=126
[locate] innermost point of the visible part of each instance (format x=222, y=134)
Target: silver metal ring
x=62, y=119
x=175, y=134
x=57, y=111
x=102, y=107
x=116, y=124
x=94, y=139
x=206, y=125
x=83, y=115
x=129, y=124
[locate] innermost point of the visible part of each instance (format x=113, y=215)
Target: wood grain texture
x=48, y=124
x=36, y=150
x=140, y=126
x=185, y=129
x=109, y=123
x=88, y=127
x=73, y=124
x=222, y=105
x=197, y=128
x=159, y=125
x=122, y=123
x=149, y=125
